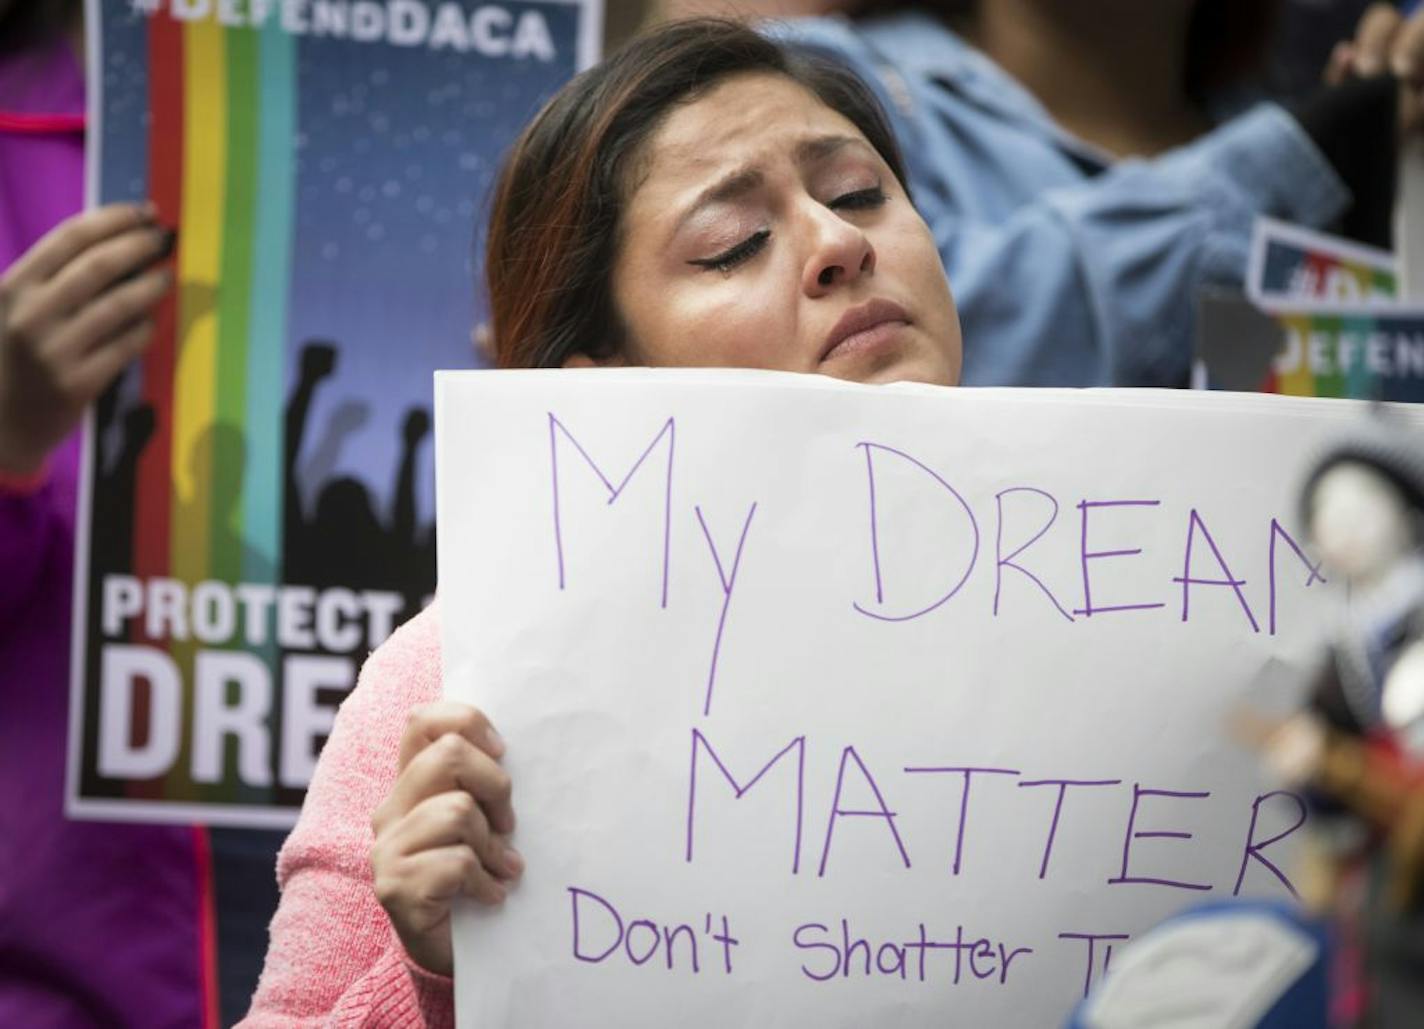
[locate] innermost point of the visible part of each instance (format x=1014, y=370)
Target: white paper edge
x=74, y=744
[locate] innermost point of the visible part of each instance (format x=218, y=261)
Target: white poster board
x=786, y=664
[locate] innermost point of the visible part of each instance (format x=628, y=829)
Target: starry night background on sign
x=396, y=152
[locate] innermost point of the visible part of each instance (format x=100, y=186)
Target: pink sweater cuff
x=399, y=994
x=434, y=993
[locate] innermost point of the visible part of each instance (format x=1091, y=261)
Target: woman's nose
x=840, y=253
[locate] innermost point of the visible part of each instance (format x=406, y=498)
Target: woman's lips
x=868, y=326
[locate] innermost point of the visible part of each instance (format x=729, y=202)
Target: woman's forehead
x=744, y=122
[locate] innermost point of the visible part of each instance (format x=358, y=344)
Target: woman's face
x=764, y=231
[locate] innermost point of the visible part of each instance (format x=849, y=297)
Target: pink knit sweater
x=334, y=959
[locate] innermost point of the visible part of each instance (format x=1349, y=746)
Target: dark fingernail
x=170, y=241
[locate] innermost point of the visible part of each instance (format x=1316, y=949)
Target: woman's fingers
x=441, y=831
x=111, y=313
x=453, y=763
x=92, y=375
x=1374, y=37
x=430, y=722
x=454, y=818
x=417, y=889
x=73, y=236
x=83, y=280
x=483, y=886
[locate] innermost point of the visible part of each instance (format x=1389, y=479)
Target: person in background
x=98, y=922
x=1086, y=167
x=101, y=924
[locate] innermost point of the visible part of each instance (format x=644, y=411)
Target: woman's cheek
x=751, y=328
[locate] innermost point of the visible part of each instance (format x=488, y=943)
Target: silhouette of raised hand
x=318, y=361
x=417, y=425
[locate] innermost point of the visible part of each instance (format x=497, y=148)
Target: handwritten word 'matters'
x=1107, y=527
x=1148, y=813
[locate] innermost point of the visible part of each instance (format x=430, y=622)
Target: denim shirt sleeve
x=1092, y=280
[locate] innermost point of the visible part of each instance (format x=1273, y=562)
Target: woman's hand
x=441, y=832
x=74, y=311
x=1386, y=43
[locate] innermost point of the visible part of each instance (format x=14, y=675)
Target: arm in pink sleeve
x=333, y=958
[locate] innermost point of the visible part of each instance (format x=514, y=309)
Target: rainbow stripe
x=1325, y=268
x=1291, y=265
x=209, y=498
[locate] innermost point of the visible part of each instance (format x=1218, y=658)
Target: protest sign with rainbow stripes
x=256, y=510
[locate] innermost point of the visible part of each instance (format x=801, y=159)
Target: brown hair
x=554, y=228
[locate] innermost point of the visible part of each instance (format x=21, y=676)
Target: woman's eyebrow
x=818, y=148
x=742, y=181
x=729, y=187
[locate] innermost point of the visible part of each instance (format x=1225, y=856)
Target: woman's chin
x=932, y=370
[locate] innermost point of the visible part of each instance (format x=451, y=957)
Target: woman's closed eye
x=856, y=200
x=733, y=256
x=859, y=200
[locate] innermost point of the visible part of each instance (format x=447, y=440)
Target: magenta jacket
x=99, y=922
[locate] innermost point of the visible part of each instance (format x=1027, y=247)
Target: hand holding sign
x=73, y=313
x=439, y=833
